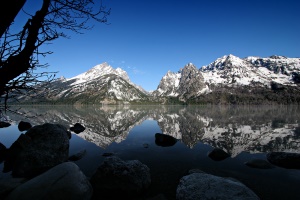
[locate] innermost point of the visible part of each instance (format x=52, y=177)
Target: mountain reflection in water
x=133, y=132
x=234, y=129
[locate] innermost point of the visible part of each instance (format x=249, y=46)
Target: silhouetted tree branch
x=19, y=51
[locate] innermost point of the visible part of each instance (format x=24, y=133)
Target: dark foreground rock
x=218, y=154
x=259, y=163
x=285, y=160
x=2, y=152
x=116, y=178
x=24, y=126
x=164, y=140
x=65, y=181
x=39, y=149
x=9, y=184
x=205, y=186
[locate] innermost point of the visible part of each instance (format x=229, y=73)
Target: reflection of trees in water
x=234, y=129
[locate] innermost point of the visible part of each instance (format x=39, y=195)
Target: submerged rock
x=285, y=160
x=116, y=178
x=218, y=154
x=24, y=126
x=77, y=128
x=39, y=149
x=206, y=186
x=107, y=154
x=164, y=140
x=78, y=155
x=259, y=163
x=65, y=181
x=4, y=124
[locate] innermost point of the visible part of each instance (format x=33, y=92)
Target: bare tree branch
x=19, y=51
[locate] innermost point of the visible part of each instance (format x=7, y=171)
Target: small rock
x=285, y=160
x=24, y=126
x=164, y=140
x=259, y=163
x=77, y=128
x=4, y=124
x=78, y=155
x=218, y=154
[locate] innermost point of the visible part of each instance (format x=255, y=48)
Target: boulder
x=218, y=154
x=285, y=160
x=77, y=128
x=14, y=150
x=164, y=140
x=41, y=148
x=259, y=163
x=116, y=178
x=64, y=181
x=24, y=126
x=206, y=186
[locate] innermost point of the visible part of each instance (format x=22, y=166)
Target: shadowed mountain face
x=234, y=129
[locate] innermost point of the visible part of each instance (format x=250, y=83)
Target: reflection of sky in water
x=126, y=133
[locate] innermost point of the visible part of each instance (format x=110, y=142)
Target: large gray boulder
x=39, y=149
x=64, y=181
x=118, y=178
x=206, y=186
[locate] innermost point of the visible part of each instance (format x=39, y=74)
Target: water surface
x=245, y=132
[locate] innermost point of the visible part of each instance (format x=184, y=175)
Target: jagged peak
x=189, y=66
x=277, y=57
x=102, y=66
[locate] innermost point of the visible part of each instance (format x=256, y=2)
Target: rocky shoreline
x=42, y=169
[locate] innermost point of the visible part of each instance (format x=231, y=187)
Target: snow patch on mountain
x=98, y=71
x=233, y=71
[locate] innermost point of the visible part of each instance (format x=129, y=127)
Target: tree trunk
x=8, y=12
x=20, y=63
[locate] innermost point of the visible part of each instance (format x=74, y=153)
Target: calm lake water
x=128, y=132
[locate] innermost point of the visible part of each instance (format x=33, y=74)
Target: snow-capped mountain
x=229, y=73
x=184, y=84
x=101, y=84
x=99, y=71
x=229, y=79
x=234, y=71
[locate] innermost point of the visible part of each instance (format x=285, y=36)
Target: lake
x=245, y=132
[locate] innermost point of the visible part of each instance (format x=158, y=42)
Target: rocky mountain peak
x=191, y=82
x=277, y=57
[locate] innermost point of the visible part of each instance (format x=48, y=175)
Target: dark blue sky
x=149, y=37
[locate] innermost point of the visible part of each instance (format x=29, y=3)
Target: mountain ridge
x=228, y=76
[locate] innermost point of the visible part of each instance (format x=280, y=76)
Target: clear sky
x=147, y=38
